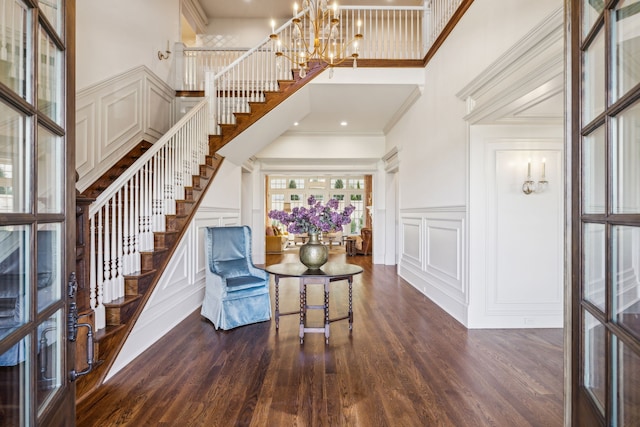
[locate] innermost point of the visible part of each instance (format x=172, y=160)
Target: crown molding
x=530, y=72
x=195, y=14
x=534, y=44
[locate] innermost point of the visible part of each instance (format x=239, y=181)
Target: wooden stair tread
x=110, y=330
x=139, y=274
x=127, y=299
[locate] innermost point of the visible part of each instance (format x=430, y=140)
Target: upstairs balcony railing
x=233, y=78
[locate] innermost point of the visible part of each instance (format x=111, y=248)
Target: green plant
x=339, y=183
x=292, y=184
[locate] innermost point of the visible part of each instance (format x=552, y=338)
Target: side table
x=325, y=275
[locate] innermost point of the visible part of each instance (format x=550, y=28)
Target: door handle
x=72, y=329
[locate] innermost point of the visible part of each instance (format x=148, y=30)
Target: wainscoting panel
x=121, y=118
x=443, y=260
x=115, y=115
x=411, y=242
x=180, y=290
x=159, y=113
x=433, y=253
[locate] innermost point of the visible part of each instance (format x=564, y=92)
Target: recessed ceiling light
x=295, y=123
x=343, y=123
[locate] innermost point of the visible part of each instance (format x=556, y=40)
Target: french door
x=37, y=211
x=605, y=72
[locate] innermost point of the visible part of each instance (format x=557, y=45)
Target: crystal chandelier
x=316, y=36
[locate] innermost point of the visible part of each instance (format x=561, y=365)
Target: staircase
x=129, y=223
x=121, y=313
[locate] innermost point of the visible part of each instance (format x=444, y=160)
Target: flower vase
x=314, y=254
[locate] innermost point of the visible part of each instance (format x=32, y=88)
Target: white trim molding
x=514, y=87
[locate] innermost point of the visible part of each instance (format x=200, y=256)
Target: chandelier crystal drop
x=315, y=35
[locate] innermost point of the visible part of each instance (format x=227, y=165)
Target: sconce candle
x=530, y=186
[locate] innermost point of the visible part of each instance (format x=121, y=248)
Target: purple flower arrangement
x=315, y=219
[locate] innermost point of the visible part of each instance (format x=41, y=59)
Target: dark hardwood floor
x=406, y=363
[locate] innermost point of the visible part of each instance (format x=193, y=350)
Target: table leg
x=326, y=310
x=277, y=316
x=303, y=301
x=350, y=280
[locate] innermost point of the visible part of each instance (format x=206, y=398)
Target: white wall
x=432, y=140
x=181, y=288
x=117, y=35
x=433, y=134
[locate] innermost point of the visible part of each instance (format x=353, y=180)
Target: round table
x=325, y=275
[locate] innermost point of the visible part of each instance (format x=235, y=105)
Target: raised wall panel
x=524, y=241
x=121, y=117
x=411, y=242
x=115, y=115
x=517, y=240
x=444, y=251
x=159, y=112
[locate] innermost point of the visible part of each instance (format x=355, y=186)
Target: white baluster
x=120, y=238
x=98, y=270
x=136, y=222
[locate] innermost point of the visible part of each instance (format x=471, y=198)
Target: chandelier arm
x=345, y=46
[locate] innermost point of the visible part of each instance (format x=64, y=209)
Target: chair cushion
x=232, y=268
x=244, y=282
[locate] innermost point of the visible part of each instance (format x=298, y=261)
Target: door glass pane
x=14, y=278
x=50, y=347
x=626, y=277
x=593, y=89
x=15, y=47
x=14, y=154
x=594, y=265
x=591, y=11
x=626, y=46
x=594, y=172
x=49, y=79
x=52, y=9
x=593, y=359
x=49, y=264
x=50, y=188
x=626, y=176
x=14, y=384
x=628, y=380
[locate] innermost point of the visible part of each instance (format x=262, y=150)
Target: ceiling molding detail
x=529, y=74
x=194, y=13
x=391, y=160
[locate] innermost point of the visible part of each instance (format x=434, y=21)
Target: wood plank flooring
x=406, y=363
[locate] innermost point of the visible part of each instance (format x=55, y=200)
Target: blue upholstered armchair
x=236, y=292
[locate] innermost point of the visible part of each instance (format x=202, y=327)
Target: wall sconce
x=530, y=186
x=165, y=54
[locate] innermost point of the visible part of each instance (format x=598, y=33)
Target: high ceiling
x=366, y=108
x=279, y=8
